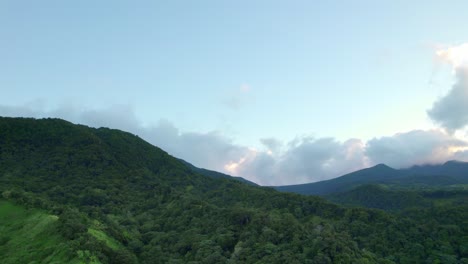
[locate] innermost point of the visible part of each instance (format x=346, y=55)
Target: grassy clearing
x=101, y=236
x=30, y=236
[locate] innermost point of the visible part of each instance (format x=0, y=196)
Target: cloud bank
x=301, y=160
x=451, y=111
x=309, y=159
x=415, y=147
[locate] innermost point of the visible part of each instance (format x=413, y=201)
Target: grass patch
x=101, y=236
x=30, y=236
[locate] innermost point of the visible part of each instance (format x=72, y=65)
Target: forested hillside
x=215, y=174
x=115, y=198
x=390, y=199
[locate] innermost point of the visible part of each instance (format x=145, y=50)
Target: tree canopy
x=121, y=200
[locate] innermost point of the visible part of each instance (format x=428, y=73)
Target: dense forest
x=396, y=200
x=107, y=196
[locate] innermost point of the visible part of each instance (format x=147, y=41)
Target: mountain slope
x=450, y=173
x=121, y=200
x=143, y=198
x=457, y=170
x=375, y=174
x=215, y=174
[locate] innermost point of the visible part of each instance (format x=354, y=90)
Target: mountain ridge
x=216, y=174
x=454, y=171
x=119, y=199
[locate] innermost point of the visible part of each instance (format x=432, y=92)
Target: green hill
x=114, y=198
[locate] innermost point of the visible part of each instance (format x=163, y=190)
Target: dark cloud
x=451, y=111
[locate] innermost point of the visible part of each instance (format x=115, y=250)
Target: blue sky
x=279, y=92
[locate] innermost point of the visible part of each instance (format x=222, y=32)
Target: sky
x=278, y=92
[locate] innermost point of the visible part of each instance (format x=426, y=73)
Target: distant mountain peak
x=382, y=166
x=455, y=162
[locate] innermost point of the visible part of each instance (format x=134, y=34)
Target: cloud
x=314, y=159
x=272, y=144
x=209, y=150
x=457, y=56
x=301, y=160
x=305, y=160
x=26, y=110
x=451, y=111
x=415, y=147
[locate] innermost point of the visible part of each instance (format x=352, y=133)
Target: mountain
x=376, y=174
x=447, y=174
x=215, y=174
x=75, y=194
x=457, y=170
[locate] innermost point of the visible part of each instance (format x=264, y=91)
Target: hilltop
x=447, y=174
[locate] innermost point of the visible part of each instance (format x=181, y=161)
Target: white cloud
x=451, y=111
x=456, y=56
x=305, y=160
x=301, y=160
x=415, y=147
x=309, y=160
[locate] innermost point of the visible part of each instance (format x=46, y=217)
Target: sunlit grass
x=101, y=236
x=30, y=236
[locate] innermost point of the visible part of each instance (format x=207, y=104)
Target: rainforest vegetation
x=75, y=194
